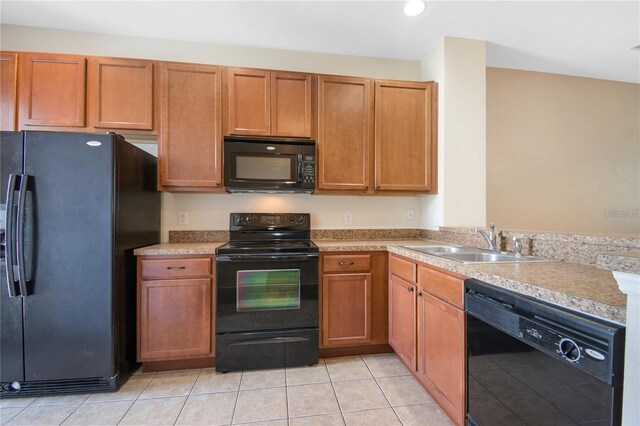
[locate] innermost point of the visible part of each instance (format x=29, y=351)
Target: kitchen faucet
x=489, y=236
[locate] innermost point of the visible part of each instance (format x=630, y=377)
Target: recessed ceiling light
x=414, y=7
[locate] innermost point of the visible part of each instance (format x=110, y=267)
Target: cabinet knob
x=409, y=289
x=419, y=294
x=345, y=263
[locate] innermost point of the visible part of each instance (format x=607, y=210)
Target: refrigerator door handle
x=9, y=235
x=21, y=219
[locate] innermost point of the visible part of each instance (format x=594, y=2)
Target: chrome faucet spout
x=489, y=236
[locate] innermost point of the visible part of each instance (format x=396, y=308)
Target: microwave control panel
x=308, y=169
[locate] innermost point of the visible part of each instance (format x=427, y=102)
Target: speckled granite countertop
x=628, y=261
x=178, y=248
x=370, y=245
x=581, y=287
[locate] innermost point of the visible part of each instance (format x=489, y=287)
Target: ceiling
x=585, y=38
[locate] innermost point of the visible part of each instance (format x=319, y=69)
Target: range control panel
x=269, y=220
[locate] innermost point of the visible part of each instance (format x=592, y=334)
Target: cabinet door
x=290, y=104
x=346, y=309
x=52, y=90
x=190, y=147
x=441, y=353
x=8, y=90
x=402, y=320
x=175, y=319
x=404, y=142
x=249, y=102
x=345, y=120
x=122, y=93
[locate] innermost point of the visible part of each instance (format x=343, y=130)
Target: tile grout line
x=188, y=395
x=344, y=421
x=136, y=400
x=286, y=392
x=16, y=414
x=235, y=406
x=382, y=390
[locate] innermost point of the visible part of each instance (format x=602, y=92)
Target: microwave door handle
x=300, y=168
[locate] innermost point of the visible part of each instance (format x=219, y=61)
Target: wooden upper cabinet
x=8, y=90
x=345, y=133
x=249, y=106
x=265, y=103
x=405, y=136
x=121, y=96
x=190, y=148
x=52, y=90
x=290, y=104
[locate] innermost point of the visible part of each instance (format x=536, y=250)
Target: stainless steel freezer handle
x=21, y=219
x=9, y=235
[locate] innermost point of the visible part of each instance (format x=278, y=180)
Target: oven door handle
x=259, y=257
x=269, y=340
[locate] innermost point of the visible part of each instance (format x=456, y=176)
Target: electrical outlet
x=348, y=219
x=411, y=214
x=183, y=218
x=437, y=220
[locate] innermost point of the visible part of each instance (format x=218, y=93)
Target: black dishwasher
x=531, y=362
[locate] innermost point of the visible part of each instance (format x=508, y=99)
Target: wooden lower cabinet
x=402, y=320
x=353, y=300
x=427, y=330
x=441, y=354
x=176, y=305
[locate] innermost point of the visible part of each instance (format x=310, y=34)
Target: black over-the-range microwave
x=254, y=164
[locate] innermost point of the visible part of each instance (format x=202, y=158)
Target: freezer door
x=11, y=354
x=68, y=327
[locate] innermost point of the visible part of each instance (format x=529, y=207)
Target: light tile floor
x=367, y=390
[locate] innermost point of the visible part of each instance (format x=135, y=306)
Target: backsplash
x=573, y=248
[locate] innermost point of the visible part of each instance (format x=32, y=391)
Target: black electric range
x=267, y=293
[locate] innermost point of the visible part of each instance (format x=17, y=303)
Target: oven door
x=266, y=293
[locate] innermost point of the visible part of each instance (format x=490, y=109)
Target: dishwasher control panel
x=567, y=346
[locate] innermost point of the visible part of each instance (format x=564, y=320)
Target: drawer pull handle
x=176, y=267
x=345, y=263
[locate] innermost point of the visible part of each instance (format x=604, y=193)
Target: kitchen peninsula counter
x=580, y=287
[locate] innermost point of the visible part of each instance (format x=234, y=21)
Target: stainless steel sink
x=475, y=255
x=442, y=249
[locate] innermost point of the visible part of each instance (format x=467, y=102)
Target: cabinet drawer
x=446, y=287
x=170, y=268
x=402, y=268
x=353, y=262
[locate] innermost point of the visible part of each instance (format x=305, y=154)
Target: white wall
x=211, y=211
x=459, y=65
x=20, y=38
x=432, y=69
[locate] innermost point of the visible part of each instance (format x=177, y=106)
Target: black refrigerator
x=73, y=207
